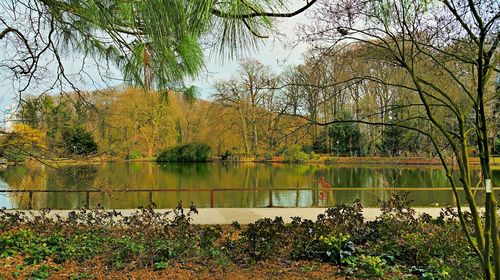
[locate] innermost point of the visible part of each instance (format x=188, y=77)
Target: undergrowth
x=396, y=245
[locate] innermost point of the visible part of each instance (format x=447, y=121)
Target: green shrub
x=397, y=245
x=37, y=248
x=134, y=155
x=261, y=240
x=371, y=266
x=294, y=154
x=78, y=141
x=313, y=156
x=161, y=265
x=268, y=156
x=436, y=270
x=125, y=249
x=42, y=272
x=336, y=248
x=192, y=152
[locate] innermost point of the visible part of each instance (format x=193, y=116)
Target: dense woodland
x=256, y=113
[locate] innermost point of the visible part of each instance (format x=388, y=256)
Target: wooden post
x=212, y=198
x=30, y=200
x=270, y=198
x=331, y=198
x=87, y=200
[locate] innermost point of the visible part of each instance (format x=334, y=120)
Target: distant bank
x=321, y=159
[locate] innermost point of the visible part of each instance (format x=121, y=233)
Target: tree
x=249, y=95
x=143, y=122
x=347, y=138
x=207, y=122
x=444, y=55
x=155, y=43
x=78, y=141
x=54, y=116
x=392, y=142
x=22, y=142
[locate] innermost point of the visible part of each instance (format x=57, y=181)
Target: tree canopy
x=156, y=43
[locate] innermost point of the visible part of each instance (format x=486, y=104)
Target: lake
x=300, y=178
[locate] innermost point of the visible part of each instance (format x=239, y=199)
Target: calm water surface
x=149, y=175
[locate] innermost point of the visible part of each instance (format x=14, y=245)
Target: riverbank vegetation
x=132, y=124
x=193, y=152
x=340, y=243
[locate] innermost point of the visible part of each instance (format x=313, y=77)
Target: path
x=248, y=215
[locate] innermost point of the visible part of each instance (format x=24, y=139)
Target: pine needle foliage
x=157, y=43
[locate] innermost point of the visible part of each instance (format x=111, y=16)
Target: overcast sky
x=276, y=52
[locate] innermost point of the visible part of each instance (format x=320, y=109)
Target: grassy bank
x=321, y=159
x=325, y=159
x=148, y=244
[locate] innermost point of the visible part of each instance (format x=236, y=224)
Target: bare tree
x=443, y=55
x=249, y=94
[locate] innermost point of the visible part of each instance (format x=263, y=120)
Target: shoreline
x=323, y=160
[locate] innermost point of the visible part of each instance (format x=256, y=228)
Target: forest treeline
x=320, y=106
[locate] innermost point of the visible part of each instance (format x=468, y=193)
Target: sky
x=274, y=52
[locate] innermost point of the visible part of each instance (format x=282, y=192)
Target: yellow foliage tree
x=28, y=136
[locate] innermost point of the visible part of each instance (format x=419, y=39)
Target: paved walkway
x=249, y=215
